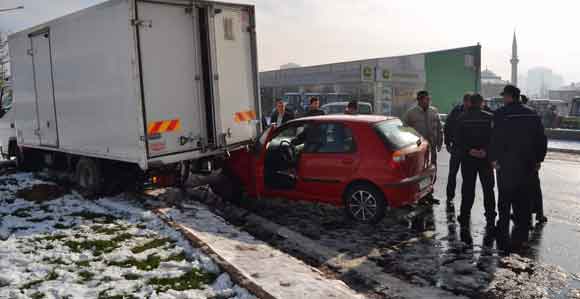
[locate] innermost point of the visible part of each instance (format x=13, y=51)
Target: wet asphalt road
x=558, y=242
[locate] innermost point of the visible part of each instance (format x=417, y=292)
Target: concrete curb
x=236, y=275
x=260, y=268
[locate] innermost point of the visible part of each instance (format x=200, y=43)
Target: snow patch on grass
x=70, y=247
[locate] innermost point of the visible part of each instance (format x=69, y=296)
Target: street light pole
x=11, y=9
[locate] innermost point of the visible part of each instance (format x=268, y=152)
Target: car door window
x=293, y=134
x=330, y=138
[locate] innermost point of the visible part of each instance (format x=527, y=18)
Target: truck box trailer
x=149, y=83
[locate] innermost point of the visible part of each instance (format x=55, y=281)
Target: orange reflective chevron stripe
x=163, y=126
x=173, y=125
x=244, y=116
x=154, y=127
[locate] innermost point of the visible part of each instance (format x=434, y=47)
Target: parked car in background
x=339, y=107
x=494, y=103
x=364, y=163
x=572, y=121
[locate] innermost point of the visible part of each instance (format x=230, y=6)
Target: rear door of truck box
x=171, y=77
x=235, y=71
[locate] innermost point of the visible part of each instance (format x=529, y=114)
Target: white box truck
x=158, y=85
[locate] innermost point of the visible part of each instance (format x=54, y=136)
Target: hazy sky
x=311, y=32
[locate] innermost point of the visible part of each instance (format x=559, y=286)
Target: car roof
x=344, y=104
x=359, y=118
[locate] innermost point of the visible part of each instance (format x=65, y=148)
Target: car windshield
x=396, y=135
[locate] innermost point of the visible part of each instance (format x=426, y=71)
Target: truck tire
x=88, y=177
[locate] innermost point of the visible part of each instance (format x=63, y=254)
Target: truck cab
x=7, y=132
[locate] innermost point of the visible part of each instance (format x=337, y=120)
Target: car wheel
x=365, y=204
x=88, y=176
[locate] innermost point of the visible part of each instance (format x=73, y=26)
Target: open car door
x=248, y=165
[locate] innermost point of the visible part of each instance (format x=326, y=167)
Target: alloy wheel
x=363, y=205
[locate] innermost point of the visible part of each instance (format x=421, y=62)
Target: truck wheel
x=88, y=176
x=364, y=203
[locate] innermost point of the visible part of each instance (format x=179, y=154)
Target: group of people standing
x=508, y=144
x=281, y=114
x=509, y=141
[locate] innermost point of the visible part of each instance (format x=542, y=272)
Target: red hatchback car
x=365, y=163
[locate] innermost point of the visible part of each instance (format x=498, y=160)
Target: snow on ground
x=56, y=244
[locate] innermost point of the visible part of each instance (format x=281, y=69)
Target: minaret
x=514, y=61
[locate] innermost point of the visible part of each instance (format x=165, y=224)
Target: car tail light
x=396, y=159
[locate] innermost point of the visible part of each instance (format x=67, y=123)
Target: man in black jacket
x=518, y=148
x=472, y=141
x=454, y=160
x=314, y=108
x=281, y=115
x=537, y=205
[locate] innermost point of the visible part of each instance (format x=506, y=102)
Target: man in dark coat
x=473, y=138
x=537, y=205
x=281, y=115
x=449, y=139
x=314, y=108
x=516, y=156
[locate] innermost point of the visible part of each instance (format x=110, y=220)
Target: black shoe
x=541, y=220
x=435, y=201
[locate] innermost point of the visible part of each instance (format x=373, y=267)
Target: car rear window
x=396, y=135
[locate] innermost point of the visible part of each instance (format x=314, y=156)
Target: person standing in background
x=473, y=138
x=449, y=138
x=424, y=118
x=518, y=147
x=351, y=108
x=281, y=115
x=537, y=206
x=314, y=108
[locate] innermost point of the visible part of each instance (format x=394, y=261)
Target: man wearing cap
x=424, y=118
x=516, y=156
